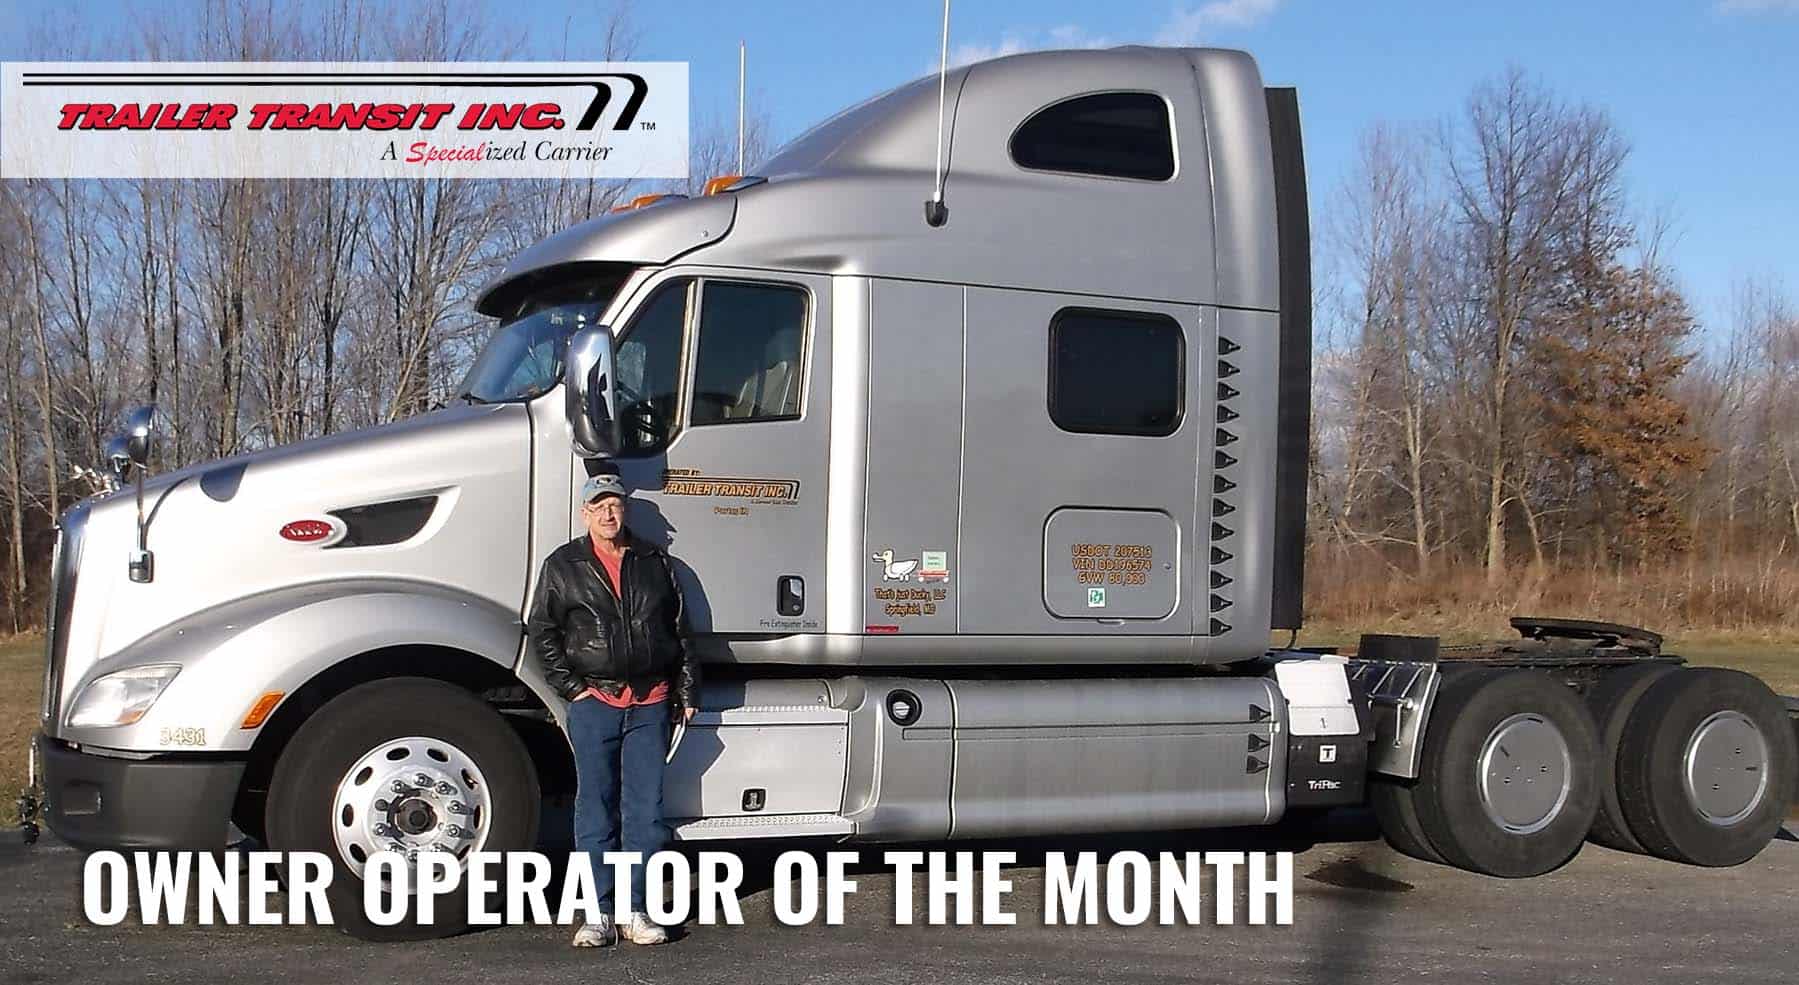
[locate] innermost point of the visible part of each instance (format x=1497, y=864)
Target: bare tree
x=1510, y=173
x=12, y=352
x=1391, y=229
x=341, y=221
x=40, y=323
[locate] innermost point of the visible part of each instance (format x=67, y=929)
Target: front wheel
x=405, y=765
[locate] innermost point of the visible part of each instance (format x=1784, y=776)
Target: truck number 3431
x=181, y=736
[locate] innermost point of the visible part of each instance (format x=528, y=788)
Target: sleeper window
x=751, y=345
x=1115, y=372
x=1113, y=134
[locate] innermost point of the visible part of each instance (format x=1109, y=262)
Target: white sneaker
x=638, y=929
x=596, y=934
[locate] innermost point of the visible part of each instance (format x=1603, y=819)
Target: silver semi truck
x=985, y=512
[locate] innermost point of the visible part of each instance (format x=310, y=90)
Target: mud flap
x=1329, y=729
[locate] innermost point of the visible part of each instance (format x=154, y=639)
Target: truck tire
x=1705, y=768
x=465, y=783
x=1394, y=799
x=1508, y=780
x=1612, y=700
x=1397, y=813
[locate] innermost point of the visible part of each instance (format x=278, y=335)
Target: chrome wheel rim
x=410, y=795
x=1725, y=768
x=1526, y=773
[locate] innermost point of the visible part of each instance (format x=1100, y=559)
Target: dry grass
x=1776, y=663
x=21, y=689
x=1741, y=615
x=1738, y=602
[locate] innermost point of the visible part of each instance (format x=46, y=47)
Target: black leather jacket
x=584, y=635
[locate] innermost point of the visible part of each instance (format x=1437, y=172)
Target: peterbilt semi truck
x=977, y=420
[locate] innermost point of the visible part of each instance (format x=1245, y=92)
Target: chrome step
x=764, y=826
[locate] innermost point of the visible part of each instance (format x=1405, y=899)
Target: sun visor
x=652, y=235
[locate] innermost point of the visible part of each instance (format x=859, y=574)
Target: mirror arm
x=140, y=429
x=142, y=565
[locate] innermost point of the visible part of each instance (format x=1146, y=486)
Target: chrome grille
x=65, y=561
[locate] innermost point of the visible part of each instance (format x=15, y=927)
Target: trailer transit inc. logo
x=335, y=120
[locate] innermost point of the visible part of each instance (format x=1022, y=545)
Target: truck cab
x=1060, y=442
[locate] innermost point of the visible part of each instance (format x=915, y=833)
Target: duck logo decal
x=892, y=570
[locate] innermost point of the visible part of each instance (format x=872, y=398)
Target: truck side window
x=1116, y=372
x=1112, y=134
x=649, y=370
x=748, y=365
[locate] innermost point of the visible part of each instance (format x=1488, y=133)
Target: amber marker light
x=644, y=200
x=720, y=183
x=259, y=712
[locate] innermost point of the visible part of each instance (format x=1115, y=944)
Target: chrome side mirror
x=140, y=431
x=587, y=378
x=131, y=449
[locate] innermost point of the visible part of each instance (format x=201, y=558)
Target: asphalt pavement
x=1361, y=913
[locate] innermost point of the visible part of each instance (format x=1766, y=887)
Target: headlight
x=122, y=697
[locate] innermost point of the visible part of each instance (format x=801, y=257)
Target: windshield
x=523, y=358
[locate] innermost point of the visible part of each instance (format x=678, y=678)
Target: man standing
x=610, y=628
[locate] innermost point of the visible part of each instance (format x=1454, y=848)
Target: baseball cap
x=602, y=485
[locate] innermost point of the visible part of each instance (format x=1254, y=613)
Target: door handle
x=790, y=595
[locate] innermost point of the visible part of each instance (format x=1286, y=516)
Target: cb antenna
x=935, y=212
x=742, y=56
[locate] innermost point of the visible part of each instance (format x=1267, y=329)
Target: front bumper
x=95, y=802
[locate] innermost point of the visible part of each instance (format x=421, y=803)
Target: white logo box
x=616, y=120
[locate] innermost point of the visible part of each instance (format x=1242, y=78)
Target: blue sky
x=1707, y=91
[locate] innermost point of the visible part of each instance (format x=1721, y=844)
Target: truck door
x=1079, y=485
x=725, y=442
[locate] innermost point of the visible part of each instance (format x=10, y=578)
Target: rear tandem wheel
x=1394, y=799
x=1612, y=700
x=1706, y=767
x=1508, y=780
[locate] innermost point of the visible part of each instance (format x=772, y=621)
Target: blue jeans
x=619, y=754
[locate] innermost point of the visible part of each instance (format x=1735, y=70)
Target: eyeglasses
x=607, y=506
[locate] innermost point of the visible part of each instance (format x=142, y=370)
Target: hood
x=442, y=500
x=220, y=478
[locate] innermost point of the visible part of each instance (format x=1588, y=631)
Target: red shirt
x=611, y=563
